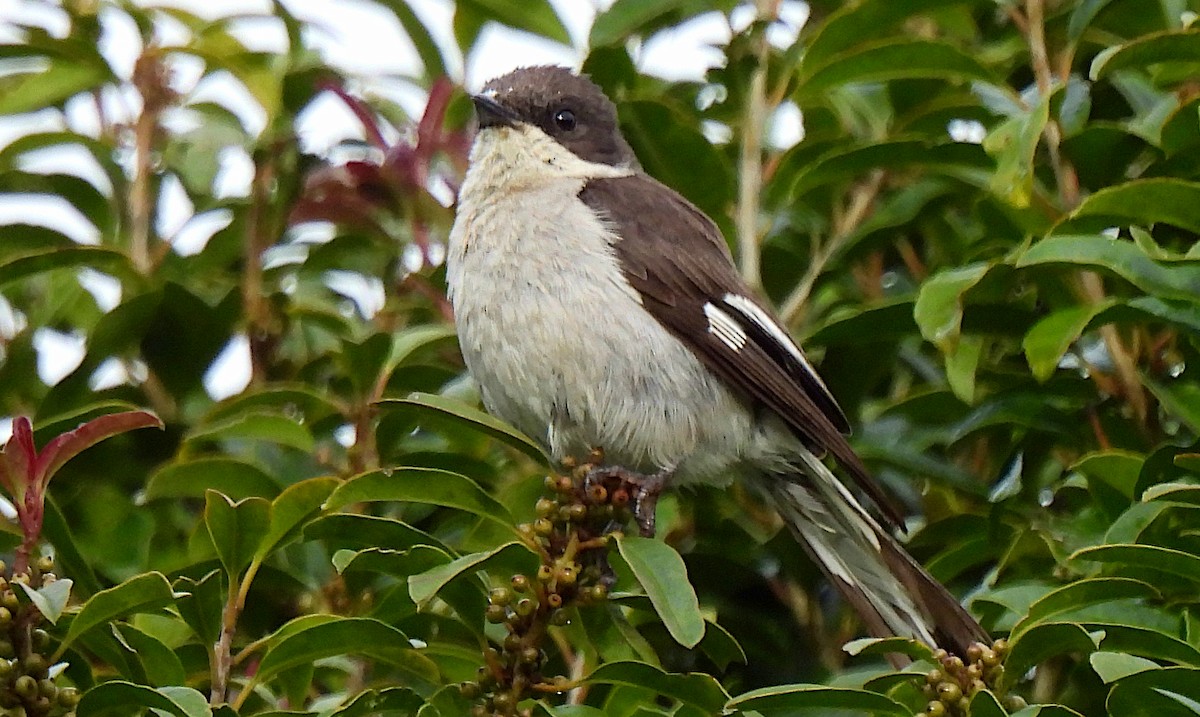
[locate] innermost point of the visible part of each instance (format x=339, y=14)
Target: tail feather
x=890, y=590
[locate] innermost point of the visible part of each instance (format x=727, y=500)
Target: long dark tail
x=889, y=589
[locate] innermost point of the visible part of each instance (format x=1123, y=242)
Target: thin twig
x=861, y=201
x=750, y=160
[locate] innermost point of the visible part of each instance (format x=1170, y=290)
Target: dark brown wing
x=674, y=256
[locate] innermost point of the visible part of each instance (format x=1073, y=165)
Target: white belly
x=562, y=348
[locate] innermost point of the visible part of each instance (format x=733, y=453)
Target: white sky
x=358, y=37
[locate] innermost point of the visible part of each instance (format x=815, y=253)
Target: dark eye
x=565, y=119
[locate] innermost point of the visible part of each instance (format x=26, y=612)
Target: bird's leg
x=625, y=485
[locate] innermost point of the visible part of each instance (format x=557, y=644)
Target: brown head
x=570, y=108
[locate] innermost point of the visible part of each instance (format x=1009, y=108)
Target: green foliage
x=1012, y=323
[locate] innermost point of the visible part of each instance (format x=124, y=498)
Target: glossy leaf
x=234, y=478
x=141, y=593
x=695, y=689
x=419, y=485
x=662, y=574
x=361, y=636
x=236, y=529
x=789, y=699
x=472, y=418
x=123, y=698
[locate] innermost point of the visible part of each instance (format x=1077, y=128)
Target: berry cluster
x=951, y=686
x=26, y=688
x=575, y=520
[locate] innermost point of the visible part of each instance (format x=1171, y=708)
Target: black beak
x=492, y=113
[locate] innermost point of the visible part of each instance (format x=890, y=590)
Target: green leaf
x=236, y=529
x=50, y=600
x=1045, y=640
x=790, y=699
x=1082, y=15
x=141, y=593
x=343, y=636
x=985, y=704
x=160, y=663
x=368, y=530
x=892, y=59
x=961, y=363
x=1145, y=202
x=625, y=18
x=695, y=688
x=1179, y=398
x=191, y=478
x=253, y=427
x=1013, y=143
x=61, y=79
x=425, y=586
x=72, y=257
x=420, y=485
x=854, y=23
x=1119, y=469
x=1112, y=666
x=1047, y=341
x=1175, y=562
x=468, y=417
x=125, y=698
x=536, y=16
x=907, y=646
x=662, y=574
x=1166, y=692
x=293, y=508
x=1177, y=279
x=398, y=700
x=1078, y=594
x=421, y=38
x=939, y=306
x=1173, y=46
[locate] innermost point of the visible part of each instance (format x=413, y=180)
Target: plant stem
x=750, y=160
x=859, y=205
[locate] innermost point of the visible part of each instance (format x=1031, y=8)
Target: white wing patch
x=724, y=327
x=751, y=311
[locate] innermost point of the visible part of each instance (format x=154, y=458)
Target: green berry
x=543, y=527
x=41, y=638
x=545, y=507
x=559, y=618
x=35, y=664
x=512, y=643
x=935, y=709
x=495, y=614
x=544, y=573
x=530, y=655
x=949, y=692
x=47, y=688
x=470, y=690
x=45, y=563
x=26, y=687
x=567, y=574
x=500, y=596
x=526, y=607
x=934, y=676
x=520, y=583
x=576, y=512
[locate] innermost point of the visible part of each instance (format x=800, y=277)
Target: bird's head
x=545, y=110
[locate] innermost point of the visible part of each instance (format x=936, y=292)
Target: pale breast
x=562, y=349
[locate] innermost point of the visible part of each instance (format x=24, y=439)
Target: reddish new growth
x=25, y=472
x=354, y=193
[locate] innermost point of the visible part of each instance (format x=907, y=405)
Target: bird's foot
x=626, y=486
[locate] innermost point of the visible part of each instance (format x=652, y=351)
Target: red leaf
x=20, y=458
x=70, y=444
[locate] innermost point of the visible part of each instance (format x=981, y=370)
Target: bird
x=596, y=307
